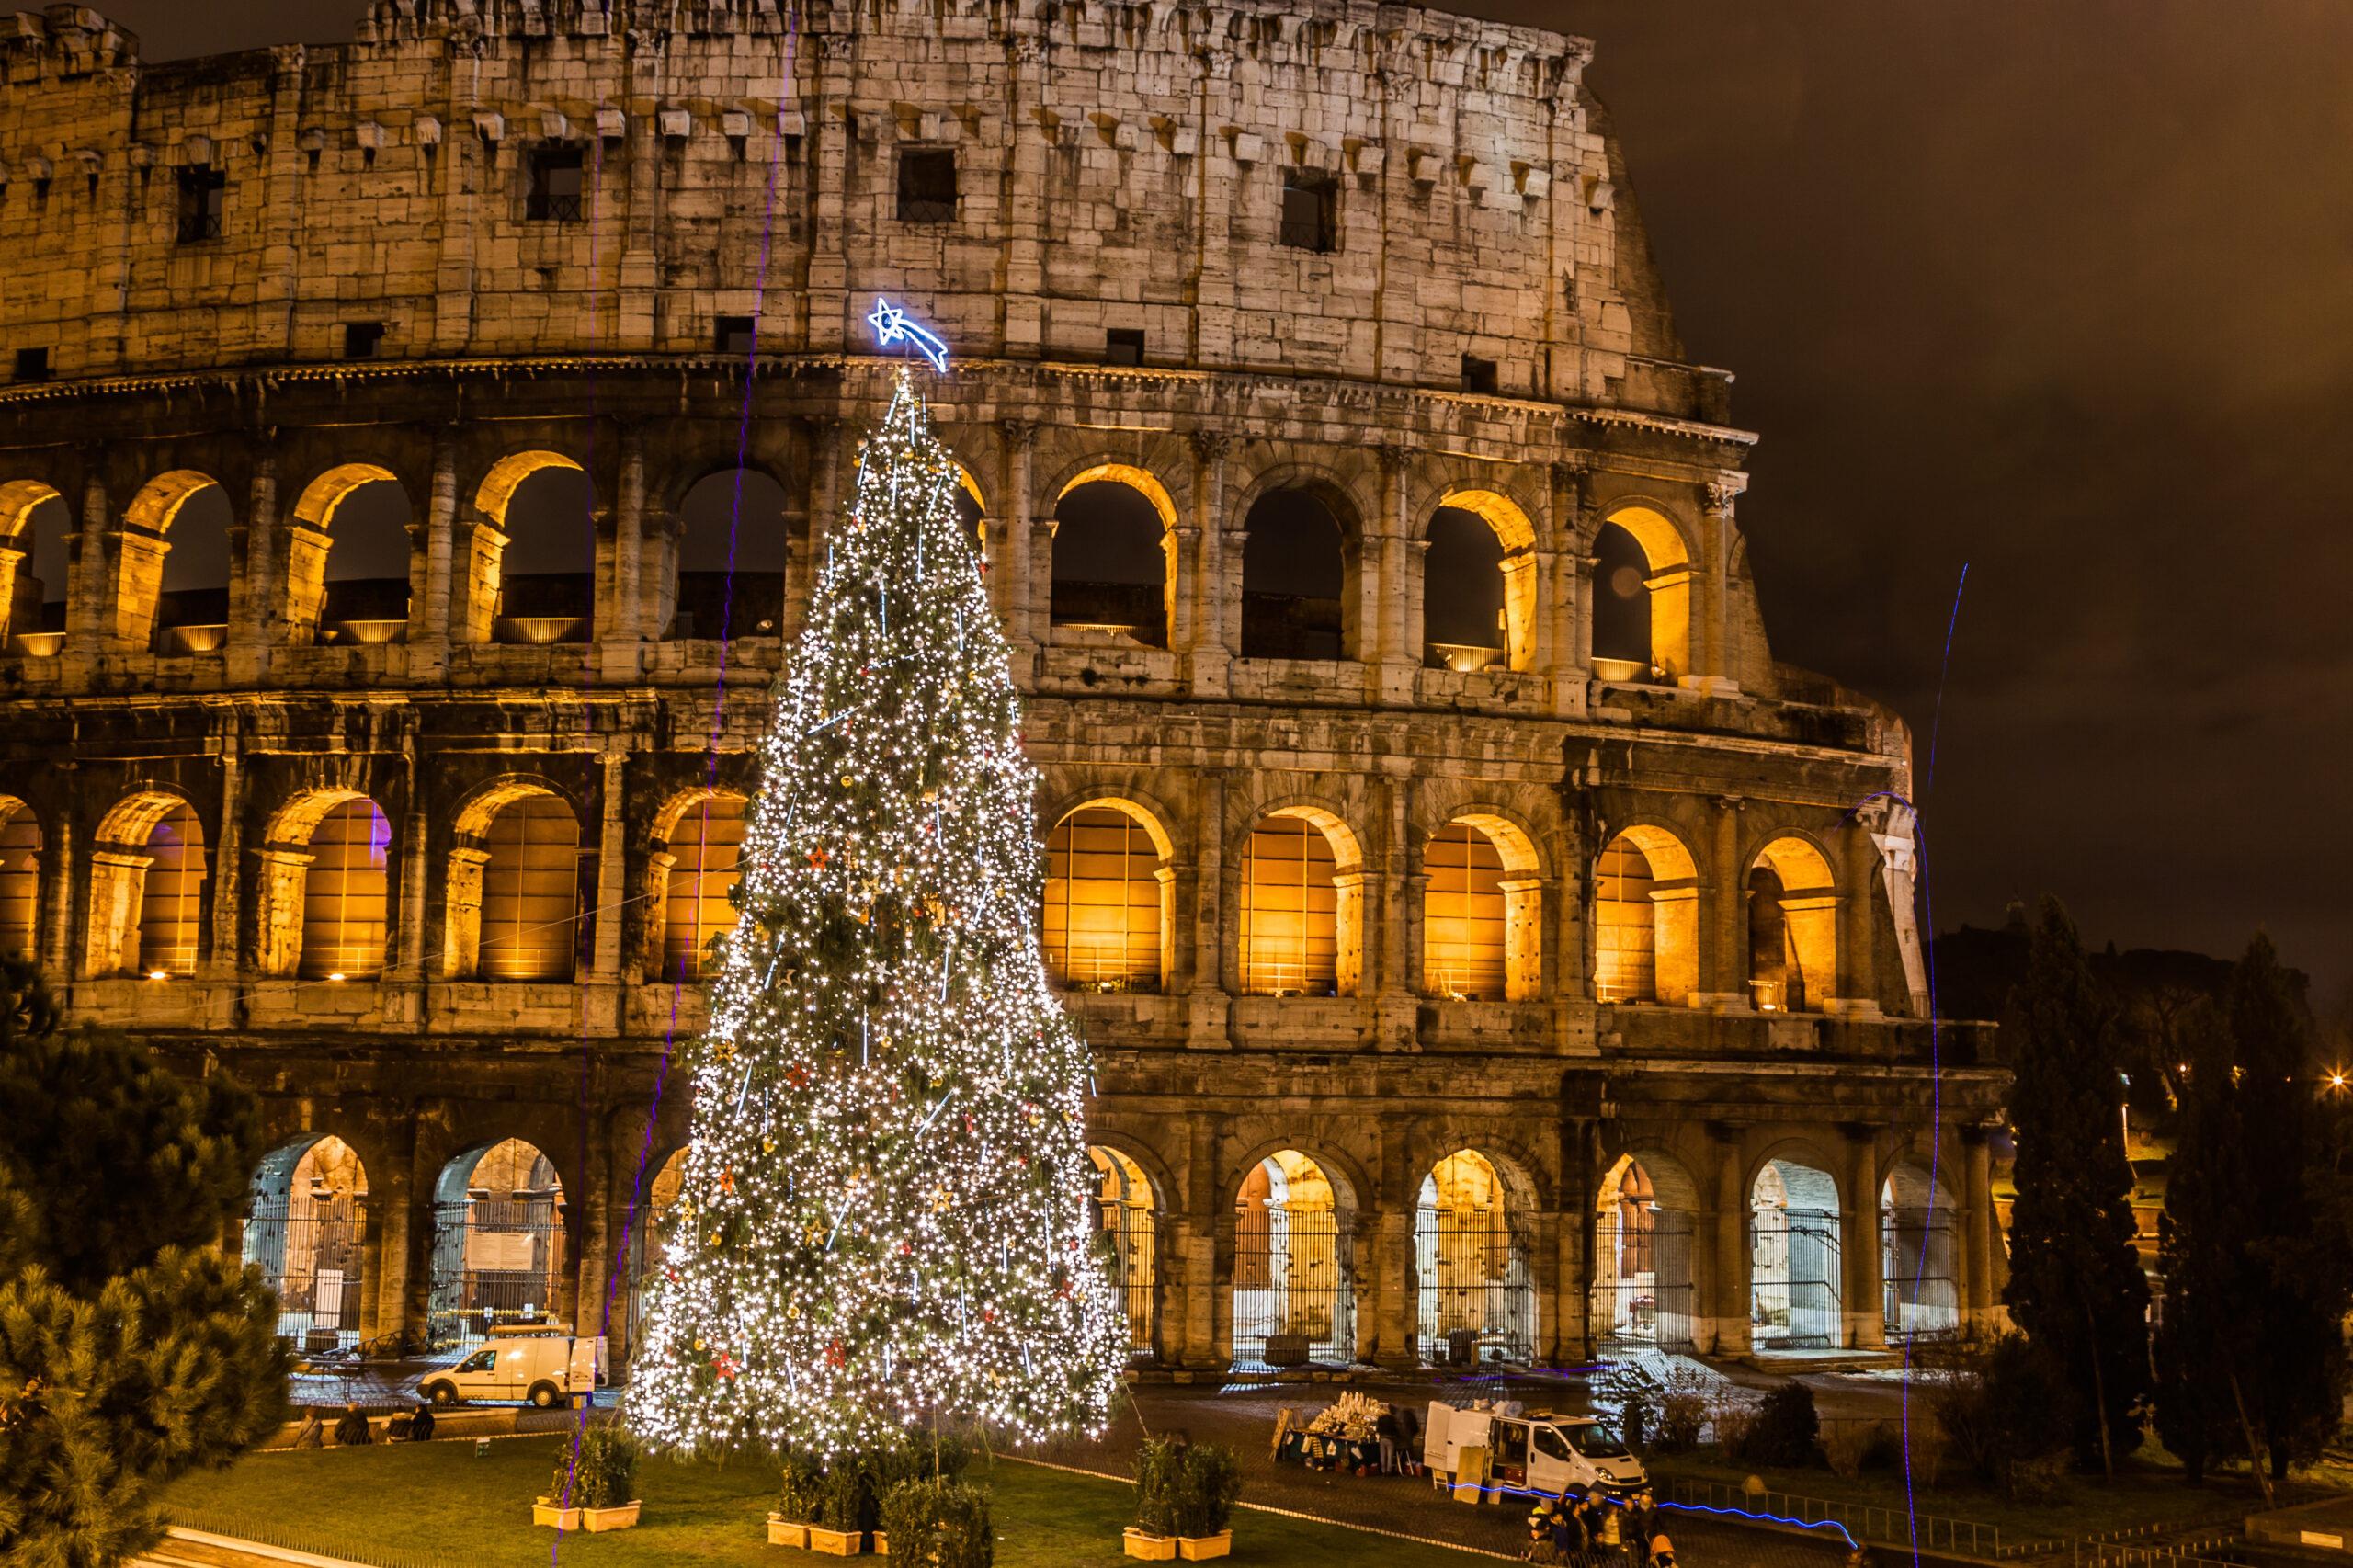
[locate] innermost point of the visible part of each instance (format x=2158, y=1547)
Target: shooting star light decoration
x=892, y=325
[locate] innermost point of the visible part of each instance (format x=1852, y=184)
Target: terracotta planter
x=787, y=1532
x=837, y=1543
x=619, y=1516
x=881, y=1547
x=1200, y=1547
x=545, y=1512
x=1151, y=1548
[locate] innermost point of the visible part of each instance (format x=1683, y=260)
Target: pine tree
x=884, y=1216
x=131, y=1349
x=2076, y=1286
x=2204, y=1317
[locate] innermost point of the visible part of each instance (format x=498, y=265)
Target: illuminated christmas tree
x=886, y=1211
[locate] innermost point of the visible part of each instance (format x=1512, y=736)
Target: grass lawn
x=425, y=1505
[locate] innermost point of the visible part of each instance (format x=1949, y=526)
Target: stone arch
x=323, y=888
x=1796, y=1280
x=487, y=567
x=147, y=888
x=1665, y=557
x=1473, y=1236
x=1792, y=926
x=1108, y=917
x=143, y=547
x=21, y=594
x=20, y=848
x=306, y=1230
x=1454, y=558
x=1645, y=1228
x=512, y=893
x=691, y=877
x=652, y=1211
x=721, y=557
x=1300, y=925
x=311, y=562
x=1127, y=1207
x=1113, y=541
x=1920, y=1251
x=1646, y=918
x=498, y=1251
x=1482, y=925
x=1300, y=597
x=1293, y=1286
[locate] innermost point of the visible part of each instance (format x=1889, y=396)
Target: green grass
x=425, y=1505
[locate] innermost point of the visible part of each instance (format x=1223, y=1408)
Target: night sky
x=2061, y=292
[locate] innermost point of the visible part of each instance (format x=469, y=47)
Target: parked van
x=1543, y=1453
x=544, y=1364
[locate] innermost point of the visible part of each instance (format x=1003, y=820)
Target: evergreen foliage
x=131, y=1349
x=2076, y=1286
x=1785, y=1429
x=2207, y=1310
x=944, y=1523
x=602, y=1475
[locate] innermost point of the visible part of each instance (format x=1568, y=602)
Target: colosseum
x=415, y=457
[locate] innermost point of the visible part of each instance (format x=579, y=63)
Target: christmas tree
x=885, y=1217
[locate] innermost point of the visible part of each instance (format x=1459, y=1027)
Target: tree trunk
x=2099, y=1387
x=2254, y=1455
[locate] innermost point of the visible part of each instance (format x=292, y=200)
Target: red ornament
x=818, y=856
x=834, y=1354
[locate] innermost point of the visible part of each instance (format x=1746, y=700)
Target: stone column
x=619, y=630
x=1413, y=916
x=612, y=846
x=1387, y=588
x=398, y=1209
x=280, y=879
x=59, y=871
x=1019, y=584
x=408, y=954
x=1724, y=1323
x=462, y=914
x=1723, y=958
x=1715, y=666
x=1211, y=923
x=589, y=1222
x=1862, y=1247
x=1211, y=648
x=89, y=617
x=1393, y=1303
x=1857, y=957
x=219, y=963
x=429, y=628
x=255, y=625
x=1980, y=1302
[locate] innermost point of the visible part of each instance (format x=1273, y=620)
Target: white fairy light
x=881, y=1235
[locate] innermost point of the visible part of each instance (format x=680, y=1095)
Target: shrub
x=1682, y=1414
x=1206, y=1487
x=1786, y=1425
x=602, y=1474
x=2004, y=1412
x=936, y=1456
x=939, y=1522
x=1160, y=1466
x=1851, y=1445
x=1732, y=1413
x=802, y=1494
x=842, y=1496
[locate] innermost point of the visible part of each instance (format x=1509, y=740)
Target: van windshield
x=1598, y=1441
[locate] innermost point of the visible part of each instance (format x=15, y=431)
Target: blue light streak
x=892, y=325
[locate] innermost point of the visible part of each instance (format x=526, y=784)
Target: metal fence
x=1475, y=1297
x=1865, y=1521
x=1293, y=1285
x=293, y=1538
x=494, y=1260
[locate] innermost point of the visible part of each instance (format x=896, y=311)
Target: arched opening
x=498, y=1242
x=1295, y=603
x=19, y=881
x=1646, y=919
x=32, y=516
x=731, y=555
x=1793, y=1272
x=1476, y=1299
x=347, y=558
x=1644, y=1219
x=529, y=878
x=1124, y=1202
x=1105, y=922
x=1481, y=917
x=649, y=1242
x=1478, y=584
x=1641, y=598
x=172, y=593
x=703, y=843
x=306, y=1230
x=532, y=574
x=1300, y=917
x=1792, y=927
x=147, y=873
x=343, y=893
x=1114, y=557
x=1294, y=1292
x=1916, y=1223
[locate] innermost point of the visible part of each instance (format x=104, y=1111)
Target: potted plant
x=1208, y=1483
x=797, y=1501
x=1160, y=1463
x=939, y=1522
x=603, y=1479
x=835, y=1529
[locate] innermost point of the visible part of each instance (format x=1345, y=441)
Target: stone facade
x=552, y=213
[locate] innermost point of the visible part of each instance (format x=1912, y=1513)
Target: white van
x=1540, y=1453
x=546, y=1366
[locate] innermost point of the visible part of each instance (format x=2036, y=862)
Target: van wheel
x=442, y=1394
x=543, y=1395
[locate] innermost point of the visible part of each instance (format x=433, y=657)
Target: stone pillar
x=1858, y=967
x=619, y=627
x=12, y=561
x=89, y=617
x=590, y=1222
x=1019, y=570
x=408, y=953
x=1860, y=1245
x=219, y=963
x=462, y=914
x=1389, y=588
x=282, y=877
x=1207, y=1305
x=1723, y=958
x=116, y=879
x=1413, y=907
x=255, y=625
x=1569, y=596
x=429, y=627
x=398, y=1210
x=1210, y=650
x=59, y=872
x=1211, y=926
x=1723, y=1325
x=1388, y=1285
x=411, y=1285
x=1980, y=1302
x=1714, y=662
x=612, y=845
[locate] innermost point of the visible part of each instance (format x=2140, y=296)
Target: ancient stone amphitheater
x=415, y=457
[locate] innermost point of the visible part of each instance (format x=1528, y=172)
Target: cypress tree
x=2207, y=1305
x=2076, y=1286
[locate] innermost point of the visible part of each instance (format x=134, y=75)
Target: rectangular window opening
x=735, y=336
x=1123, y=346
x=203, y=197
x=361, y=339
x=1311, y=210
x=926, y=185
x=559, y=186
x=1478, y=375
x=32, y=364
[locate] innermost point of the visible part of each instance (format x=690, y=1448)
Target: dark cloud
x=2063, y=293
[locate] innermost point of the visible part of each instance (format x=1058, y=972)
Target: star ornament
x=892, y=325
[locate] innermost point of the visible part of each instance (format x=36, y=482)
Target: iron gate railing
x=494, y=1260
x=1475, y=1299
x=1923, y=1294
x=313, y=1256
x=1793, y=1280
x=1134, y=1263
x=1293, y=1285
x=1641, y=1278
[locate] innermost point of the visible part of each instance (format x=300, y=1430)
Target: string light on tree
x=886, y=1209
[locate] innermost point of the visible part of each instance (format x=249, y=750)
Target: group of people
x=1595, y=1531
x=353, y=1429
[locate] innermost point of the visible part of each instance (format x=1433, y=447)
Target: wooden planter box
x=1151, y=1548
x=1200, y=1547
x=619, y=1516
x=545, y=1512
x=837, y=1543
x=787, y=1532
